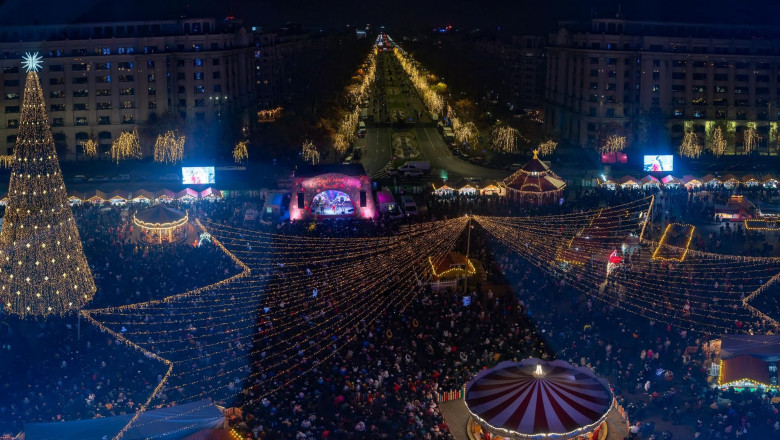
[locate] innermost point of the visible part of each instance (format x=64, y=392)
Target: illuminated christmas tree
x=43, y=269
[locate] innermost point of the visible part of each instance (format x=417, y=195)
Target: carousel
x=536, y=399
x=161, y=224
x=535, y=183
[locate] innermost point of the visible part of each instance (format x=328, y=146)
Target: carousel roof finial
x=538, y=372
x=536, y=154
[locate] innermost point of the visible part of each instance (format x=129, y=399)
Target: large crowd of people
x=385, y=380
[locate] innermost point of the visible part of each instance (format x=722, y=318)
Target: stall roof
x=744, y=368
x=142, y=193
x=173, y=423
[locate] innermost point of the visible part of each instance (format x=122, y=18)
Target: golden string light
x=364, y=271
x=90, y=147
x=638, y=287
x=346, y=126
x=614, y=144
x=169, y=147
x=430, y=94
x=719, y=143
x=465, y=133
x=6, y=161
x=309, y=152
x=240, y=152
x=505, y=138
x=547, y=147
x=43, y=270
x=751, y=139
x=691, y=145
x=126, y=146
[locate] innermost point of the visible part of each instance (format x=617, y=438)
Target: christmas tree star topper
x=32, y=61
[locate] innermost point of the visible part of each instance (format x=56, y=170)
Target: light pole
x=468, y=246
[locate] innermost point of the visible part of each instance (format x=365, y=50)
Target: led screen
x=197, y=175
x=658, y=163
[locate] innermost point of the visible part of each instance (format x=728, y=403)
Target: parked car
x=456, y=151
x=514, y=167
x=121, y=178
x=170, y=177
x=80, y=178
x=392, y=172
x=474, y=180
x=98, y=179
x=413, y=173
x=409, y=206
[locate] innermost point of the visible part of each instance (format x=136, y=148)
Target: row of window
x=79, y=121
x=198, y=76
x=682, y=48
x=197, y=47
x=83, y=80
x=720, y=114
x=685, y=63
x=200, y=89
x=680, y=88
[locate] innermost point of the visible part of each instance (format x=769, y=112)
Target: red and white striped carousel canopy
x=517, y=400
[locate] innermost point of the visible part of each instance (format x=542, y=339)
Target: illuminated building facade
x=100, y=79
x=607, y=75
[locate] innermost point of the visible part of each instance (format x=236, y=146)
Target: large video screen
x=657, y=163
x=197, y=175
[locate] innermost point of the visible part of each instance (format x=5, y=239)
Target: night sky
x=517, y=17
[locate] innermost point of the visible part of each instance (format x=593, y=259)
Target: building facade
x=100, y=79
x=528, y=71
x=653, y=81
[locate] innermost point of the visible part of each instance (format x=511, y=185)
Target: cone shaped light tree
x=42, y=265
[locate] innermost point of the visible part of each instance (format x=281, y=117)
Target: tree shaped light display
x=691, y=146
x=309, y=153
x=751, y=139
x=719, y=143
x=6, y=161
x=169, y=147
x=126, y=147
x=42, y=265
x=613, y=144
x=547, y=147
x=90, y=147
x=240, y=152
x=505, y=138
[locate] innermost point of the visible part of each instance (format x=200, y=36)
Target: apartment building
x=100, y=79
x=614, y=75
x=528, y=71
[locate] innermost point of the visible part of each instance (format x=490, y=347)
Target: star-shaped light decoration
x=32, y=61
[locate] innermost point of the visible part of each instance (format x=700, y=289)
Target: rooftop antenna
x=619, y=13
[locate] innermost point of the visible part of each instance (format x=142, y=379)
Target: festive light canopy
x=43, y=270
x=293, y=305
x=703, y=290
x=535, y=399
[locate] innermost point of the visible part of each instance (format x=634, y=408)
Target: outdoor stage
x=331, y=191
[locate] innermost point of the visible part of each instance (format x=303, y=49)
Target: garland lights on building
x=44, y=270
